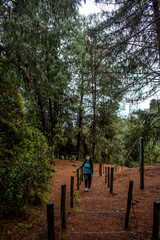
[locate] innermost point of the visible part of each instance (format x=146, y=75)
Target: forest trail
x=99, y=214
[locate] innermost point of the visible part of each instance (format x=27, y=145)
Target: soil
x=97, y=214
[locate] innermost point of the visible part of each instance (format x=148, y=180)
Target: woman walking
x=88, y=172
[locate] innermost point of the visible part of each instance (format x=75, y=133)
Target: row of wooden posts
x=156, y=210
x=50, y=210
x=156, y=214
x=109, y=174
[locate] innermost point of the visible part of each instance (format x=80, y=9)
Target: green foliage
x=154, y=105
x=152, y=152
x=144, y=124
x=76, y=197
x=78, y=209
x=125, y=31
x=24, y=159
x=26, y=226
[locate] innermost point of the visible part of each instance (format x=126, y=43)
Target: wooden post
x=82, y=174
x=103, y=168
x=50, y=220
x=80, y=178
x=141, y=158
x=63, y=205
x=100, y=169
x=129, y=203
x=77, y=178
x=105, y=174
x=115, y=168
x=72, y=192
x=111, y=183
x=156, y=221
x=108, y=176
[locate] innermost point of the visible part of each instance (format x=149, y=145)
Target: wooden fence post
x=105, y=174
x=63, y=205
x=141, y=158
x=129, y=203
x=100, y=169
x=108, y=176
x=50, y=220
x=156, y=221
x=80, y=178
x=72, y=191
x=111, y=183
x=82, y=174
x=77, y=178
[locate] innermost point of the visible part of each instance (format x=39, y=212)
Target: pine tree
x=33, y=33
x=132, y=36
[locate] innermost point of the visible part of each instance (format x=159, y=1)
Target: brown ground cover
x=98, y=214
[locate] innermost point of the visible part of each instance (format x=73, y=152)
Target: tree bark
x=94, y=97
x=80, y=119
x=94, y=119
x=51, y=117
x=39, y=102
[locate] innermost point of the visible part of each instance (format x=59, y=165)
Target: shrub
x=24, y=152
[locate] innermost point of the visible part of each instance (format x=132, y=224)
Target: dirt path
x=99, y=214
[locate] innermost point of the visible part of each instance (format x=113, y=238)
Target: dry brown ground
x=99, y=214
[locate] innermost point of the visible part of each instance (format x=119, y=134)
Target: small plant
x=78, y=209
x=64, y=235
x=26, y=226
x=76, y=197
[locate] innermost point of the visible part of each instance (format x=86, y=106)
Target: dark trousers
x=88, y=179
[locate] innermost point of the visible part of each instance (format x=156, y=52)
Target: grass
x=26, y=226
x=76, y=197
x=76, y=200
x=78, y=209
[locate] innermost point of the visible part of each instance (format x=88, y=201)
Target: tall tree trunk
x=157, y=23
x=94, y=118
x=80, y=119
x=39, y=102
x=51, y=118
x=94, y=97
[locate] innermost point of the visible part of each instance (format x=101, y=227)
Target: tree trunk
x=94, y=119
x=51, y=117
x=80, y=119
x=94, y=96
x=39, y=102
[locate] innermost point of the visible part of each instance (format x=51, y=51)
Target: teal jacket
x=88, y=168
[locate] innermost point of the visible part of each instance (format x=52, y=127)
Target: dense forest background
x=63, y=77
